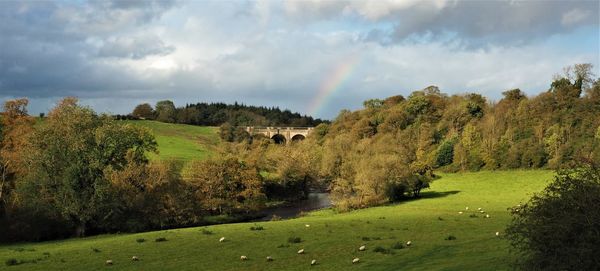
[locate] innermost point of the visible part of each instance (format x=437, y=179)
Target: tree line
x=215, y=114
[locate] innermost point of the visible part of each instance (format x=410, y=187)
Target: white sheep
x=497, y=233
x=269, y=259
x=243, y=258
x=313, y=262
x=479, y=209
x=222, y=239
x=487, y=216
x=301, y=251
x=308, y=226
x=408, y=243
x=362, y=248
x=460, y=213
x=108, y=262
x=135, y=258
x=467, y=208
x=482, y=211
x=356, y=260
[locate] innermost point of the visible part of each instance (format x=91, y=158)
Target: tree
x=67, y=158
x=143, y=111
x=17, y=126
x=558, y=229
x=226, y=185
x=166, y=111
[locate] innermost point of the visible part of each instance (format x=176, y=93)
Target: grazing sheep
x=467, y=208
x=269, y=259
x=497, y=233
x=135, y=258
x=356, y=260
x=308, y=226
x=222, y=239
x=301, y=251
x=362, y=248
x=479, y=209
x=482, y=211
x=408, y=243
x=313, y=262
x=460, y=213
x=243, y=258
x=108, y=262
x=487, y=216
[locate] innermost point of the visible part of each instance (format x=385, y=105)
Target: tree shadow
x=437, y=194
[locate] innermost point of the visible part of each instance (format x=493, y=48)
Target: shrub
x=160, y=239
x=450, y=238
x=558, y=228
x=294, y=240
x=257, y=228
x=398, y=245
x=365, y=238
x=12, y=261
x=96, y=250
x=382, y=250
x=206, y=232
x=140, y=240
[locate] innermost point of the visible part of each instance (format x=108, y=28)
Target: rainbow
x=333, y=82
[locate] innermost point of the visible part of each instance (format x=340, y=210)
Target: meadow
x=441, y=237
x=181, y=141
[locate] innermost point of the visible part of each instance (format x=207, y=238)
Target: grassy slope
x=332, y=239
x=181, y=142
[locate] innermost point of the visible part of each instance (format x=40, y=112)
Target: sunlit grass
x=332, y=239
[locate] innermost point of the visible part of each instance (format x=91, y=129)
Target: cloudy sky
x=315, y=57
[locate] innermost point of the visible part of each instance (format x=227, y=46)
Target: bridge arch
x=298, y=137
x=279, y=139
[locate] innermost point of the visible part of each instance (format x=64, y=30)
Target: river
x=314, y=201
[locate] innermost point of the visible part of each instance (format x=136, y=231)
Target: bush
x=398, y=245
x=160, y=239
x=206, y=232
x=140, y=240
x=12, y=261
x=294, y=240
x=382, y=250
x=257, y=228
x=558, y=228
x=450, y=238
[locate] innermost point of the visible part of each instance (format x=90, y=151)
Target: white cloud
x=575, y=16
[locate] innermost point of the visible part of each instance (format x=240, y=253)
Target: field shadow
x=436, y=194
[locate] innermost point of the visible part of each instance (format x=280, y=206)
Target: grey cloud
x=135, y=47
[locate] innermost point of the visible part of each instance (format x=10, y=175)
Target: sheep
x=308, y=226
x=497, y=233
x=408, y=243
x=313, y=262
x=479, y=209
x=460, y=213
x=222, y=239
x=362, y=248
x=243, y=258
x=269, y=259
x=482, y=211
x=108, y=262
x=356, y=260
x=135, y=258
x=467, y=208
x=301, y=251
x=487, y=216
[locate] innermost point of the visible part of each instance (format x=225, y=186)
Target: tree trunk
x=80, y=230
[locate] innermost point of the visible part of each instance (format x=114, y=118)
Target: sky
x=313, y=57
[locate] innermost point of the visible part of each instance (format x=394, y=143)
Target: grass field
x=332, y=239
x=181, y=142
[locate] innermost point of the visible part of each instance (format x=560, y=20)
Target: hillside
x=332, y=239
x=181, y=141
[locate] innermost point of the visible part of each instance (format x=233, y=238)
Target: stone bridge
x=281, y=135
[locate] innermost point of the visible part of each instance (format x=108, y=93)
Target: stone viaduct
x=281, y=135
